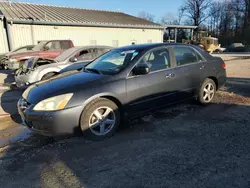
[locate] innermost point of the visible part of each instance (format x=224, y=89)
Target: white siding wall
x=3, y=39
x=22, y=35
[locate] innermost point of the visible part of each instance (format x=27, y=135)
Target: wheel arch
x=46, y=71
x=215, y=81
x=108, y=96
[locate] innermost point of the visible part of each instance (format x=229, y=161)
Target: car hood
x=23, y=54
x=68, y=82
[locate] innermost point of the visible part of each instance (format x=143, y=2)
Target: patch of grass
x=231, y=98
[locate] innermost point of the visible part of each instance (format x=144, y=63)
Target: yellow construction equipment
x=210, y=44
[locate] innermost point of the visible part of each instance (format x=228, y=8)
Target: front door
x=155, y=89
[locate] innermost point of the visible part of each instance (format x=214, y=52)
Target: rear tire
x=100, y=119
x=207, y=91
x=48, y=75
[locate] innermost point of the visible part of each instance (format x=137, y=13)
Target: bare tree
x=169, y=19
x=146, y=16
x=180, y=14
x=246, y=15
x=196, y=10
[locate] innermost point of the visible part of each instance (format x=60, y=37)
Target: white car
x=37, y=69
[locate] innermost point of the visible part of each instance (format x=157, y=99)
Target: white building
x=24, y=23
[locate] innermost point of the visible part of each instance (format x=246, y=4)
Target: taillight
x=224, y=65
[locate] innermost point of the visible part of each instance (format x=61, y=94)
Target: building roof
x=180, y=26
x=18, y=12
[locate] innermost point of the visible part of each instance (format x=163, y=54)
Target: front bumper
x=21, y=80
x=56, y=123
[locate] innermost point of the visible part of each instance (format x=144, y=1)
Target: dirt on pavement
x=187, y=145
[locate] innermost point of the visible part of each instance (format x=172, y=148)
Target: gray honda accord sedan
x=121, y=83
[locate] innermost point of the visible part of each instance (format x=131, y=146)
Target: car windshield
x=113, y=61
x=39, y=46
x=66, y=54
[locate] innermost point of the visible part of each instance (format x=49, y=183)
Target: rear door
x=190, y=69
x=155, y=89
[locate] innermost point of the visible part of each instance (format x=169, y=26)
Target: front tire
x=207, y=91
x=100, y=119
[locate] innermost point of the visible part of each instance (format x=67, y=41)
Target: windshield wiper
x=93, y=70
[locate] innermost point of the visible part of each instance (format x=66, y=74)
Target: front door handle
x=202, y=67
x=170, y=75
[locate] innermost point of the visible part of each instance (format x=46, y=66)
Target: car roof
x=92, y=46
x=148, y=46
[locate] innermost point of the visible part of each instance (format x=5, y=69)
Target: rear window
x=65, y=45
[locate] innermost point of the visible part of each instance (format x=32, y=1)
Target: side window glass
x=65, y=45
x=30, y=48
x=22, y=50
x=53, y=46
x=199, y=58
x=157, y=60
x=101, y=51
x=185, y=55
x=85, y=55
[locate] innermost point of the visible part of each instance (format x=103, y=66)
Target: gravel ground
x=184, y=146
x=238, y=68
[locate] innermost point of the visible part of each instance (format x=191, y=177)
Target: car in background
x=236, y=47
x=4, y=56
x=44, y=49
x=37, y=69
x=120, y=84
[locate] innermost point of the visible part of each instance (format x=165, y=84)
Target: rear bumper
x=222, y=78
x=56, y=123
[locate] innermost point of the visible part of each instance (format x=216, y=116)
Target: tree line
x=229, y=20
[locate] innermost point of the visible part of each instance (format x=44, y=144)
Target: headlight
x=53, y=103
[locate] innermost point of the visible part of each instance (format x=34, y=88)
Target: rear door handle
x=202, y=67
x=170, y=75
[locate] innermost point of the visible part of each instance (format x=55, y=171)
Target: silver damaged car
x=37, y=69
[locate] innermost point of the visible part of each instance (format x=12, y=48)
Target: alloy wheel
x=102, y=121
x=208, y=92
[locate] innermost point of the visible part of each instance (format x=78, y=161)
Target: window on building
x=149, y=41
x=65, y=45
x=186, y=55
x=157, y=59
x=115, y=43
x=93, y=42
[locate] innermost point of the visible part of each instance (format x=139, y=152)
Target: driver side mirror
x=141, y=69
x=73, y=59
